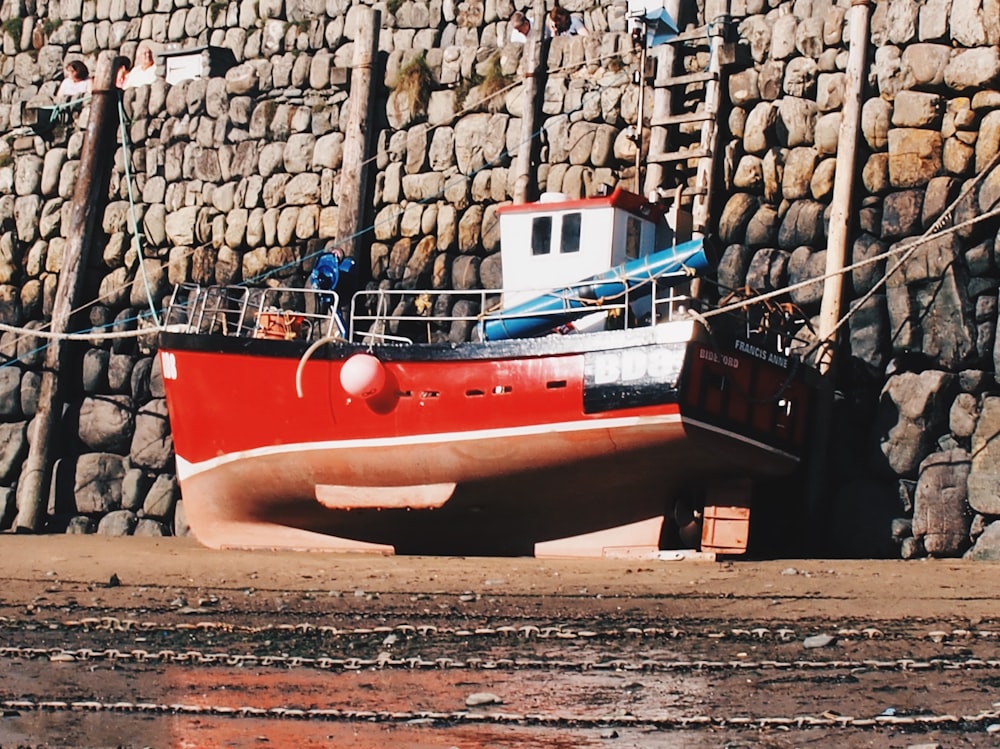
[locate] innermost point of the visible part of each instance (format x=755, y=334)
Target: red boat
x=558, y=422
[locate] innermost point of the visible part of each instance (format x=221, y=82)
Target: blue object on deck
x=554, y=308
x=331, y=269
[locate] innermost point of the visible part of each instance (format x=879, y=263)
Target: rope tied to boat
x=307, y=354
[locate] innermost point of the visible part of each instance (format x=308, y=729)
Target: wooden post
x=836, y=254
x=534, y=61
x=357, y=167
x=843, y=184
x=89, y=197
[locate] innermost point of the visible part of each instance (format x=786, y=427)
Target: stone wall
x=911, y=449
x=237, y=179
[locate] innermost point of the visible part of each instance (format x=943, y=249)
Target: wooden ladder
x=686, y=103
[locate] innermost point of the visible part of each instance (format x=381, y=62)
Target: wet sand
x=873, y=590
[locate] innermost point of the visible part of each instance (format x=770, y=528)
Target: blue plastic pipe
x=559, y=306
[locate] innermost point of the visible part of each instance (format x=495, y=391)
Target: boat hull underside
x=573, y=484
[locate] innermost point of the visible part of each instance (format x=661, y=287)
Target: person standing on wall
x=560, y=22
x=77, y=82
x=144, y=72
x=519, y=27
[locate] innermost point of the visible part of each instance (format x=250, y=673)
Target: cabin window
x=570, y=240
x=541, y=235
x=633, y=235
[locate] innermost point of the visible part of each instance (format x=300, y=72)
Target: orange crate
x=726, y=522
x=278, y=326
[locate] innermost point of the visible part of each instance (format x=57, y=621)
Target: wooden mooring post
x=89, y=197
x=534, y=61
x=841, y=221
x=357, y=166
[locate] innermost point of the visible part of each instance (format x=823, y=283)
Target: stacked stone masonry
x=236, y=179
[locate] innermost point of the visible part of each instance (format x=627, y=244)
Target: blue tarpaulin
x=660, y=27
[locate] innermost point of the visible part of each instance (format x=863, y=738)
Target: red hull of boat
x=482, y=455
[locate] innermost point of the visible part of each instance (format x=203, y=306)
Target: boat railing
x=418, y=316
x=278, y=313
x=401, y=316
x=455, y=316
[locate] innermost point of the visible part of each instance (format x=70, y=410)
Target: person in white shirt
x=560, y=22
x=520, y=27
x=144, y=72
x=77, y=81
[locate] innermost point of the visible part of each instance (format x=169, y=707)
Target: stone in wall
x=800, y=164
x=869, y=332
x=929, y=310
x=941, y=514
x=150, y=528
x=796, y=121
x=939, y=195
x=749, y=174
x=925, y=64
x=757, y=32
x=869, y=265
x=827, y=133
x=987, y=545
x=984, y=478
x=915, y=155
x=890, y=73
x=901, y=214
x=97, y=487
x=81, y=525
x=803, y=264
x=974, y=23
x=963, y=417
x=106, y=423
x=900, y=21
x=802, y=225
x=762, y=229
x=158, y=504
x=876, y=116
x=10, y=393
x=768, y=270
x=135, y=484
x=988, y=142
x=13, y=449
x=733, y=265
x=969, y=69
x=759, y=126
x=152, y=445
x=739, y=210
x=913, y=412
x=117, y=523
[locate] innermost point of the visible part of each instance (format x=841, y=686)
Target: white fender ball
x=362, y=376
